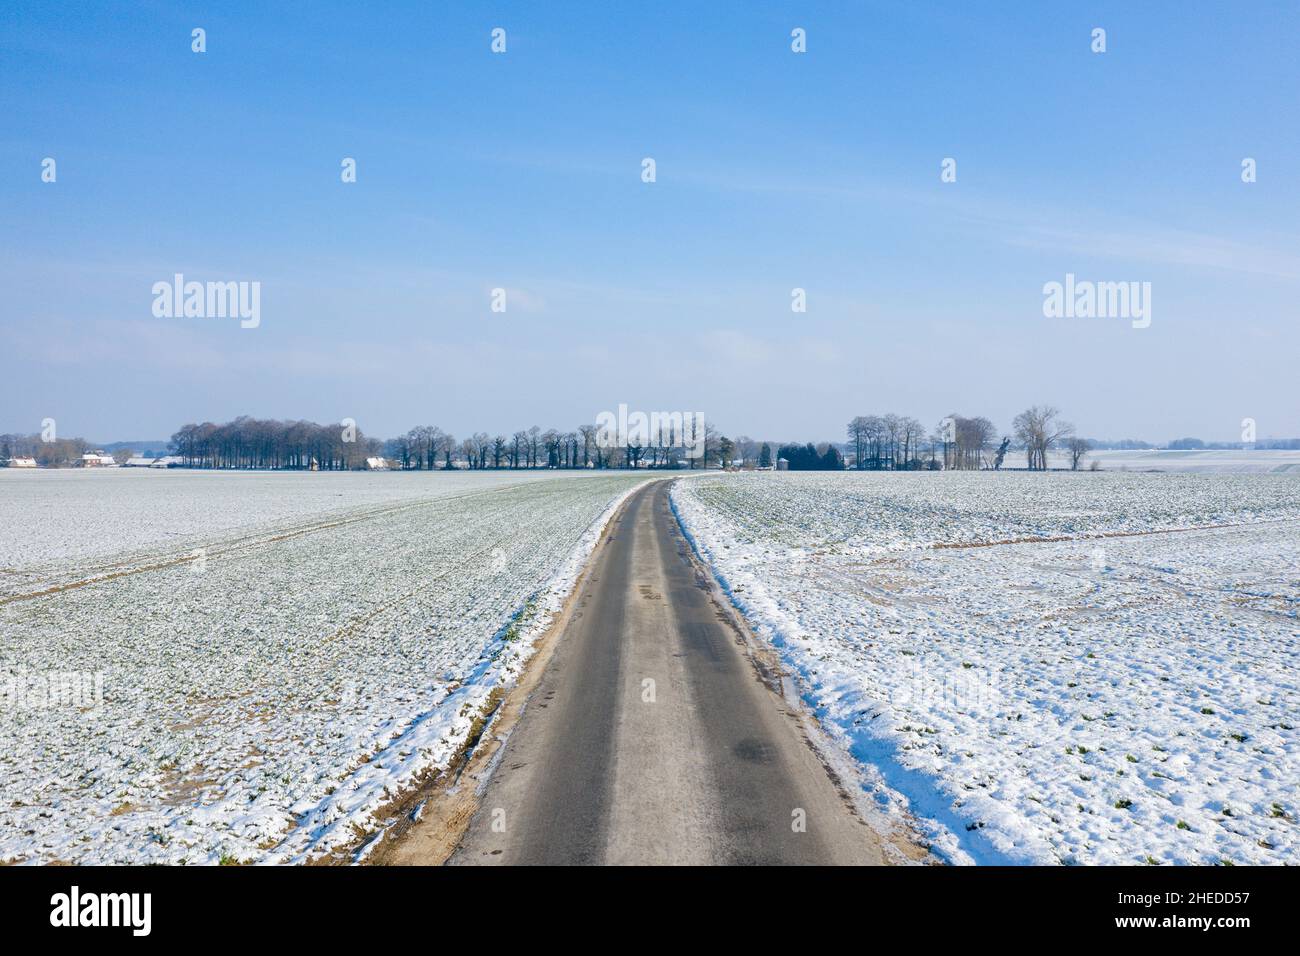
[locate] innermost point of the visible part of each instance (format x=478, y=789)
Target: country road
x=651, y=738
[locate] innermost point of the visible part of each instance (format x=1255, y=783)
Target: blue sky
x=774, y=171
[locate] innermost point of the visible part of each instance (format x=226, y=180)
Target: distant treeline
x=875, y=442
x=269, y=444
x=894, y=442
x=428, y=446
x=901, y=443
x=265, y=443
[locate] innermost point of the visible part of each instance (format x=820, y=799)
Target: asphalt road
x=651, y=738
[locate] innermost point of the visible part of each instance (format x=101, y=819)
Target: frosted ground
x=1126, y=692
x=280, y=653
x=1212, y=461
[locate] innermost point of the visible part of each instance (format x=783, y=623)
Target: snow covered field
x=1125, y=692
x=199, y=666
x=1213, y=461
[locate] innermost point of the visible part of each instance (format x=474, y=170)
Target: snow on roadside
x=433, y=738
x=260, y=703
x=1089, y=700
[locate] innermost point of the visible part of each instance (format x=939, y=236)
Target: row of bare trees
x=967, y=443
x=428, y=447
x=266, y=443
x=886, y=441
x=897, y=442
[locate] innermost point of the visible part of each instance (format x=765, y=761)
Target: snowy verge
x=902, y=798
x=1057, y=698
x=433, y=738
x=267, y=700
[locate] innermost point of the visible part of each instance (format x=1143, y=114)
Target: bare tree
x=747, y=448
x=1078, y=449
x=588, y=435
x=857, y=432
x=482, y=445
x=893, y=426
x=1039, y=428
x=712, y=444
x=912, y=433
x=976, y=435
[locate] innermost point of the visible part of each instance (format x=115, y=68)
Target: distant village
x=97, y=459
